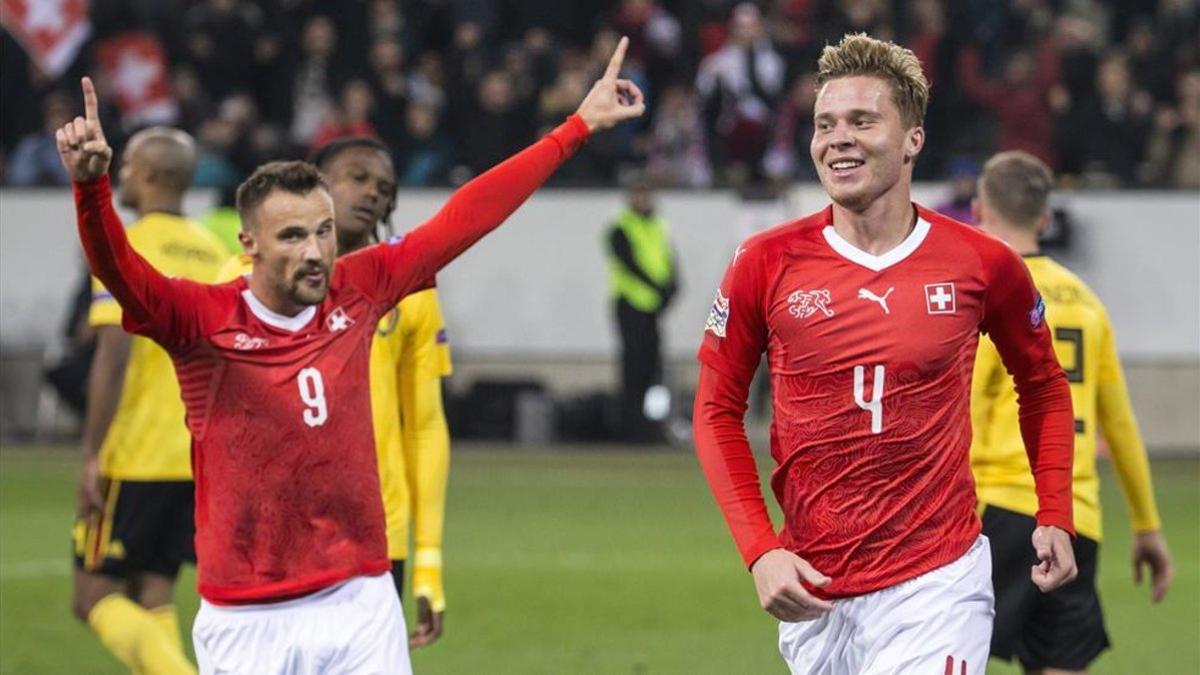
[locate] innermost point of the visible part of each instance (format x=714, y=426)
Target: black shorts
x=146, y=526
x=1062, y=629
x=398, y=578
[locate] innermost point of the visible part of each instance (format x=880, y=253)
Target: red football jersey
x=870, y=360
x=283, y=451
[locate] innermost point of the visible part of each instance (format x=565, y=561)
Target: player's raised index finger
x=91, y=107
x=618, y=57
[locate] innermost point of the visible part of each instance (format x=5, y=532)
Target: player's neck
x=351, y=244
x=1022, y=240
x=172, y=204
x=276, y=302
x=878, y=228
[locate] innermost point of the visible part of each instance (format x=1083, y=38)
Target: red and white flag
x=135, y=65
x=51, y=31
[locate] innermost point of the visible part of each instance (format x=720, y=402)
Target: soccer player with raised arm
x=869, y=312
x=1062, y=631
x=409, y=357
x=135, y=498
x=290, y=531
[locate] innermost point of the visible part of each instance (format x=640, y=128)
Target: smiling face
x=861, y=146
x=292, y=241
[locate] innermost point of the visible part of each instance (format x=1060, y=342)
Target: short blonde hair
x=860, y=54
x=1016, y=185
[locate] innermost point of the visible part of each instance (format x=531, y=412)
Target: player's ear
x=1043, y=222
x=249, y=244
x=977, y=210
x=913, y=143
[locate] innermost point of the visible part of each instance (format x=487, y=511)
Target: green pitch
x=612, y=562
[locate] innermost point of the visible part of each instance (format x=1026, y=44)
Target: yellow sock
x=133, y=635
x=168, y=622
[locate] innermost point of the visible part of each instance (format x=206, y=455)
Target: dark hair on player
x=324, y=156
x=329, y=152
x=1017, y=186
x=296, y=177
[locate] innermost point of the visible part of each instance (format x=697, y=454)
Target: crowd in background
x=1107, y=92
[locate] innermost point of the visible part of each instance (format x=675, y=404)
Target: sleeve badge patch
x=718, y=316
x=1037, y=313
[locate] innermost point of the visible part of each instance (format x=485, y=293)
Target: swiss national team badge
x=939, y=298
x=338, y=320
x=718, y=316
x=803, y=304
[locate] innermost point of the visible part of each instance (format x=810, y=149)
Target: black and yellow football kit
x=1063, y=629
x=145, y=459
x=409, y=357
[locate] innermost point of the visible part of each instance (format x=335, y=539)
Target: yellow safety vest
x=651, y=248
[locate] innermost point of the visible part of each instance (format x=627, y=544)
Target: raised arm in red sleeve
x=1014, y=319
x=410, y=263
x=171, y=311
x=733, y=343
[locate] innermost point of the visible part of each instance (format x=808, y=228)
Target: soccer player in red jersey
x=869, y=312
x=290, y=537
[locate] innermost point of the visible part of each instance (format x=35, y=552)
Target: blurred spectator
x=963, y=172
x=351, y=117
x=35, y=160
x=676, y=153
x=788, y=157
x=495, y=126
x=1173, y=153
x=739, y=86
x=1020, y=102
x=389, y=85
x=425, y=154
x=312, y=98
x=219, y=42
x=1113, y=126
x=655, y=36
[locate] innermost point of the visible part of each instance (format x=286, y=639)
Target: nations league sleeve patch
x=718, y=316
x=1037, y=313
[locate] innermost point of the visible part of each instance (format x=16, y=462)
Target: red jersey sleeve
x=733, y=343
x=1014, y=318
x=170, y=311
x=405, y=264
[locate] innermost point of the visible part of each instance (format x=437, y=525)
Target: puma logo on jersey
x=338, y=320
x=245, y=342
x=866, y=294
x=803, y=304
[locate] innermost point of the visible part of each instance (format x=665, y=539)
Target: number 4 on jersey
x=875, y=405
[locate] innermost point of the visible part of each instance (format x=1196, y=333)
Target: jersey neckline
x=877, y=263
x=272, y=318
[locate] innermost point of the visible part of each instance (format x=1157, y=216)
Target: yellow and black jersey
x=409, y=357
x=147, y=439
x=1086, y=349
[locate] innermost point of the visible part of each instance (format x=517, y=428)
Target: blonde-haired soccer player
x=869, y=311
x=409, y=357
x=135, y=499
x=1061, y=631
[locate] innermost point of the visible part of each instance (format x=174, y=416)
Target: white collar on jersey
x=876, y=263
x=271, y=318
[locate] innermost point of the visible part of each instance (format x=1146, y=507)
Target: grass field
x=609, y=562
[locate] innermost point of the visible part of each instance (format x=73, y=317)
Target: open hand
x=81, y=145
x=1056, y=558
x=1150, y=549
x=612, y=101
x=778, y=574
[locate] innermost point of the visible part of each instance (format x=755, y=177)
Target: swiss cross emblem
x=338, y=320
x=939, y=298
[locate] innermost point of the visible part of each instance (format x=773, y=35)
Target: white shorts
x=354, y=627
x=939, y=623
